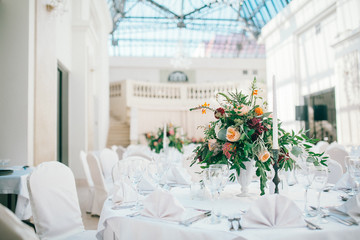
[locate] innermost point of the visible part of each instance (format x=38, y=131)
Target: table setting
x=241, y=191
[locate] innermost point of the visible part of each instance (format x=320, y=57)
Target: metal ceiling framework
x=206, y=28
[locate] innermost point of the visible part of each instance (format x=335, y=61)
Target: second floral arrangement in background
x=172, y=138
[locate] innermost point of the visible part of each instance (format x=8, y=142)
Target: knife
x=190, y=221
x=312, y=225
x=333, y=216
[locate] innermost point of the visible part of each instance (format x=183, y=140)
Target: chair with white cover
x=54, y=203
x=100, y=189
x=321, y=146
x=120, y=168
x=337, y=153
x=11, y=228
x=335, y=171
x=120, y=150
x=89, y=181
x=108, y=158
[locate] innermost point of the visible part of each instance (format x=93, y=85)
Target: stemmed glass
x=318, y=184
x=155, y=171
x=213, y=179
x=305, y=175
x=135, y=173
x=354, y=171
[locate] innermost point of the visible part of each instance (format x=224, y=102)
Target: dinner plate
x=6, y=172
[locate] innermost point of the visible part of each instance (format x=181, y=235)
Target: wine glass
x=354, y=171
x=318, y=184
x=155, y=171
x=304, y=176
x=4, y=162
x=135, y=173
x=213, y=179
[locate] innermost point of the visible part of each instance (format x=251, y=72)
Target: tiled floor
x=90, y=222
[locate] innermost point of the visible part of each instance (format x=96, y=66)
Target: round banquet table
x=115, y=224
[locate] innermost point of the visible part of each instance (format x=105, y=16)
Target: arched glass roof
x=197, y=28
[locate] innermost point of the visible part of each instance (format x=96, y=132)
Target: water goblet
x=354, y=171
x=318, y=184
x=213, y=179
x=304, y=176
x=135, y=173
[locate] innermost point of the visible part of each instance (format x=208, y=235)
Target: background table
x=114, y=224
x=15, y=184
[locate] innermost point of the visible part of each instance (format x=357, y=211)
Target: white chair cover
x=120, y=168
x=100, y=189
x=120, y=150
x=108, y=158
x=88, y=180
x=321, y=146
x=134, y=149
x=54, y=202
x=12, y=228
x=337, y=153
x=335, y=171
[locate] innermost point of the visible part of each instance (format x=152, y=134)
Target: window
x=178, y=76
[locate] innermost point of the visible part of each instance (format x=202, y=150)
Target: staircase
x=119, y=133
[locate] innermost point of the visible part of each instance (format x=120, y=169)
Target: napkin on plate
x=273, y=211
x=123, y=193
x=179, y=175
x=345, y=182
x=161, y=204
x=146, y=184
x=351, y=207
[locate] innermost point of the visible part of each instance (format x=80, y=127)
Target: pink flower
x=228, y=148
x=171, y=131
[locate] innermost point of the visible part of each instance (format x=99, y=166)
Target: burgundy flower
x=255, y=123
x=228, y=148
x=220, y=112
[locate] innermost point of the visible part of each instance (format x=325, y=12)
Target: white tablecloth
x=15, y=183
x=114, y=224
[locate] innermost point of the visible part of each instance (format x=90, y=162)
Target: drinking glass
x=4, y=162
x=318, y=184
x=155, y=171
x=225, y=173
x=135, y=173
x=213, y=179
x=305, y=175
x=354, y=171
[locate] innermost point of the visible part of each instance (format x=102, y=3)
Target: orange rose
x=259, y=111
x=232, y=135
x=255, y=92
x=264, y=156
x=155, y=144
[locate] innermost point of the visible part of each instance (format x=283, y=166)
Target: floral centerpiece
x=156, y=141
x=242, y=132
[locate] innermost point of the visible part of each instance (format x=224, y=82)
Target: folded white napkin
x=146, y=184
x=345, y=182
x=123, y=193
x=351, y=207
x=273, y=211
x=161, y=204
x=179, y=175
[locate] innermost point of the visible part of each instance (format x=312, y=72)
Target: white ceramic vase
x=245, y=177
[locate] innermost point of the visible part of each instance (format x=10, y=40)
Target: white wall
x=305, y=61
x=16, y=80
x=201, y=69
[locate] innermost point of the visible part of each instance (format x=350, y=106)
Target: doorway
x=321, y=115
x=62, y=115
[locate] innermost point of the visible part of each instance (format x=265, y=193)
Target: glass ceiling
x=195, y=28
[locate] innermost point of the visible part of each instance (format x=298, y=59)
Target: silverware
x=190, y=221
x=133, y=214
x=231, y=228
x=329, y=214
x=312, y=225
